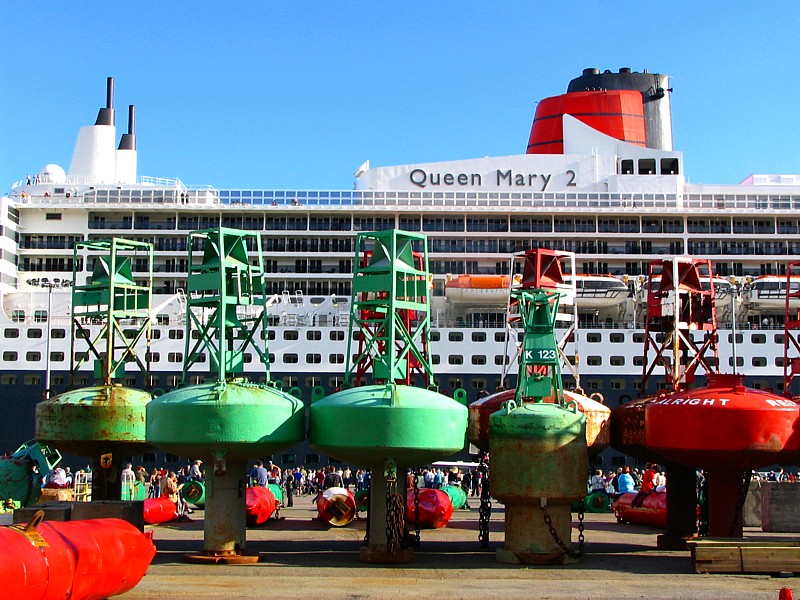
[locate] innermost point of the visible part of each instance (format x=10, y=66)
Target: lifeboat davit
x=478, y=290
x=435, y=508
x=80, y=560
x=260, y=505
x=724, y=427
x=337, y=506
x=159, y=510
x=642, y=508
x=598, y=419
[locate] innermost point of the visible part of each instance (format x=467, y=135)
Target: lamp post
x=49, y=285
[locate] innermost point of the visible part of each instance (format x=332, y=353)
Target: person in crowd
x=289, y=483
x=597, y=483
x=625, y=481
x=194, y=471
x=259, y=475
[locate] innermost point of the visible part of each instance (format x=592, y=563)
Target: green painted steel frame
x=388, y=287
x=111, y=296
x=223, y=280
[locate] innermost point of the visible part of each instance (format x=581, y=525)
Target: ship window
x=52, y=216
x=271, y=358
x=778, y=361
x=152, y=356
x=33, y=356
x=499, y=336
x=617, y=384
x=336, y=359
x=594, y=361
x=478, y=384
x=617, y=361
x=478, y=359
x=455, y=359
x=291, y=335
x=58, y=334
x=647, y=166
x=57, y=356
x=336, y=336
x=478, y=336
x=739, y=338
x=11, y=333
x=8, y=379
x=739, y=361
x=669, y=166
x=779, y=338
x=759, y=361
x=638, y=361
x=335, y=382
x=314, y=335
x=758, y=338
x=9, y=356
x=626, y=167
x=176, y=334
x=617, y=338
x=313, y=358
x=290, y=358
x=17, y=315
x=311, y=459
x=248, y=357
x=175, y=357
x=594, y=338
x=500, y=360
x=435, y=360
x=32, y=380
x=34, y=333
x=435, y=336
x=455, y=336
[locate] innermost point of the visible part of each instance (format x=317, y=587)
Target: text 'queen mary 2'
x=600, y=178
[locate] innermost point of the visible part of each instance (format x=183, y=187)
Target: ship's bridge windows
x=626, y=167
x=647, y=166
x=11, y=333
x=669, y=166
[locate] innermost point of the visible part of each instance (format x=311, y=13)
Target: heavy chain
x=744, y=487
x=394, y=516
x=554, y=534
x=485, y=511
x=416, y=509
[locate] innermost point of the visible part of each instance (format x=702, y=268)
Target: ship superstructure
x=601, y=179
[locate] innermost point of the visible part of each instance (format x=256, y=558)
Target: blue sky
x=299, y=94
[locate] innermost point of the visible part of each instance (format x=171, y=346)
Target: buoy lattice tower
x=228, y=419
x=383, y=422
x=105, y=422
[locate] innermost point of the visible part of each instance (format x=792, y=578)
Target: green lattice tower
x=225, y=301
x=539, y=361
x=390, y=309
x=116, y=299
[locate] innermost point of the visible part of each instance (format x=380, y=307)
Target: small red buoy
x=785, y=594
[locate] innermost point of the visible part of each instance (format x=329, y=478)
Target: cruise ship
x=600, y=179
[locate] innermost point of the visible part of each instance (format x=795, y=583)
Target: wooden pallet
x=740, y=556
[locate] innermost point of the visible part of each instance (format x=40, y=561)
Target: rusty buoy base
x=380, y=555
x=208, y=557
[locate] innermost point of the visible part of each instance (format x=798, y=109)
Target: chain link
x=554, y=534
x=394, y=516
x=485, y=511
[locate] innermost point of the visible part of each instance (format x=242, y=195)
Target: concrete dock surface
x=302, y=558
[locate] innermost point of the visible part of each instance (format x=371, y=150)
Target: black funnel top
x=128, y=140
x=106, y=115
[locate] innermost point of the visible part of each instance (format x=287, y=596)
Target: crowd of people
x=626, y=479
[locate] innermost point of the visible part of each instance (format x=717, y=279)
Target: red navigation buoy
x=337, y=506
x=435, y=508
x=260, y=505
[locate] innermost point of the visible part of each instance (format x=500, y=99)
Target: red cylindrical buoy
x=435, y=508
x=337, y=506
x=82, y=560
x=159, y=510
x=642, y=508
x=260, y=505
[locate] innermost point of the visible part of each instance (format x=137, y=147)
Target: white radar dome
x=52, y=174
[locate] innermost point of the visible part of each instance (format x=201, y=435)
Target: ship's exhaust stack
x=94, y=157
x=106, y=115
x=126, y=151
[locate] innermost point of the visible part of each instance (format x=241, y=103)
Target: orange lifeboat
x=478, y=290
